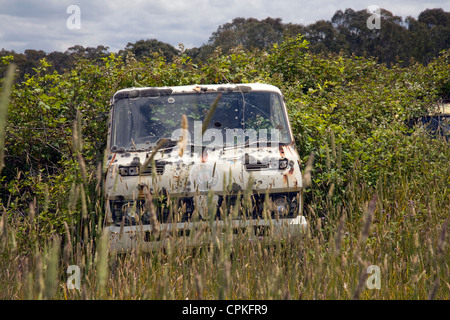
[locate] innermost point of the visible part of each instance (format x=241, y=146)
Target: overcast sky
x=48, y=24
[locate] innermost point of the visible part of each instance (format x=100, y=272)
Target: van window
x=140, y=122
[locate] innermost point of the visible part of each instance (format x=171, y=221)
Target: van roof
x=241, y=87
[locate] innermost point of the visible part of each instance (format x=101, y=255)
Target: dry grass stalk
x=150, y=208
x=361, y=284
x=211, y=111
x=183, y=139
x=306, y=178
x=368, y=221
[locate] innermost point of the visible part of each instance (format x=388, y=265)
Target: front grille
x=181, y=210
x=165, y=211
x=159, y=169
x=256, y=166
x=256, y=211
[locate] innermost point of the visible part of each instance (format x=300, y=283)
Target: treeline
x=397, y=41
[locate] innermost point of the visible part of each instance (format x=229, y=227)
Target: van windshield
x=138, y=123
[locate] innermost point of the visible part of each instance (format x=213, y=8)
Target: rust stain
x=290, y=150
x=204, y=157
x=291, y=171
x=281, y=151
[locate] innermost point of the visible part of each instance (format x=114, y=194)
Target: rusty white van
x=185, y=159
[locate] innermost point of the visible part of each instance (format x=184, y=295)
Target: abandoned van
x=185, y=159
x=437, y=122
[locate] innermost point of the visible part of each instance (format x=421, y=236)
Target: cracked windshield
x=139, y=123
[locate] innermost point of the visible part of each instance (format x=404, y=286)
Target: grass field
x=401, y=232
x=387, y=240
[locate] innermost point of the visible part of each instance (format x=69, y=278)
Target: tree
x=60, y=61
x=91, y=53
x=323, y=37
x=434, y=17
x=145, y=48
x=250, y=33
x=437, y=22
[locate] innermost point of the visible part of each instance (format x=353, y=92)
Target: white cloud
x=27, y=24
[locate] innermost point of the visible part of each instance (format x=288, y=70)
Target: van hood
x=198, y=170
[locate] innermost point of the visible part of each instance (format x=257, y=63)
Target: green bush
x=350, y=112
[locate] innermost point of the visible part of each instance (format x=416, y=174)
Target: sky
x=56, y=25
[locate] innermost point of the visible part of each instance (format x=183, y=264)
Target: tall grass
x=400, y=226
x=405, y=238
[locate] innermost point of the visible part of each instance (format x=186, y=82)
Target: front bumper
x=190, y=234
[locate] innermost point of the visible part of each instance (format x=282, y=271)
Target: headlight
x=282, y=205
x=129, y=171
x=278, y=164
x=130, y=212
x=282, y=164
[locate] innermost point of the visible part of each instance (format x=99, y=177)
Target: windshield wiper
x=166, y=142
x=162, y=144
x=248, y=143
